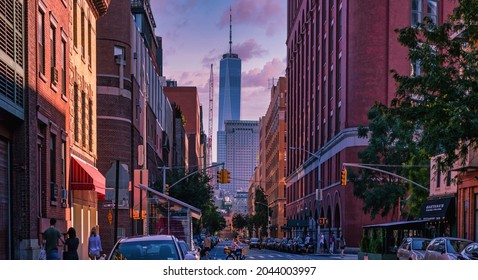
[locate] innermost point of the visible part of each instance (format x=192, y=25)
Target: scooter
x=234, y=255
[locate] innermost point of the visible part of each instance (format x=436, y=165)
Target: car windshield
x=146, y=250
x=419, y=244
x=254, y=239
x=455, y=246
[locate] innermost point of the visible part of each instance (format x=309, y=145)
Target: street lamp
x=268, y=230
x=318, y=194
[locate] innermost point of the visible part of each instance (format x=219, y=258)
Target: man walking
x=207, y=246
x=50, y=239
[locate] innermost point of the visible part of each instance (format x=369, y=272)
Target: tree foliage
x=434, y=112
x=442, y=102
x=239, y=221
x=196, y=192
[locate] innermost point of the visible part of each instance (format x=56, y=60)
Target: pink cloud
x=256, y=13
x=260, y=77
x=249, y=49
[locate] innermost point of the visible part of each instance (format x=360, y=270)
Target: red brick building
x=187, y=99
x=135, y=119
x=339, y=57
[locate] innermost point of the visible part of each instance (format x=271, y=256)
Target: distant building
x=240, y=203
x=242, y=142
x=187, y=100
x=273, y=148
x=229, y=95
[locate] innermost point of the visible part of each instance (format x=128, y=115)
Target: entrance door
x=4, y=200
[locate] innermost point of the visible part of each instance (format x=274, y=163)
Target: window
x=82, y=33
x=54, y=73
x=83, y=118
x=76, y=108
x=432, y=10
x=63, y=67
x=41, y=41
x=53, y=185
x=75, y=23
x=339, y=24
x=438, y=179
x=89, y=43
x=63, y=164
x=339, y=74
x=416, y=69
x=90, y=124
x=416, y=12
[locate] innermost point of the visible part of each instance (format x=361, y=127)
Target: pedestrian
x=331, y=244
x=342, y=245
x=94, y=245
x=71, y=246
x=322, y=244
x=307, y=239
x=207, y=246
x=51, y=236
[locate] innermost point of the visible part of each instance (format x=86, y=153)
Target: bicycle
x=235, y=255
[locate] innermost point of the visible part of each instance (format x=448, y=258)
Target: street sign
x=123, y=181
x=110, y=204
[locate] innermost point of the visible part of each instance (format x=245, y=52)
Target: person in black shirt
x=71, y=246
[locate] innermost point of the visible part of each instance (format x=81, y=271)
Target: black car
x=255, y=243
x=470, y=252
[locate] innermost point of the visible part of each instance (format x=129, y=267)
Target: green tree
x=212, y=220
x=434, y=112
x=392, y=147
x=195, y=191
x=239, y=221
x=442, y=102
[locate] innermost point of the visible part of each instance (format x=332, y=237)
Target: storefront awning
x=85, y=176
x=436, y=209
x=297, y=223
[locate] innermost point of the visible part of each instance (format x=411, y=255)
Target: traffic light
x=220, y=178
x=322, y=221
x=226, y=179
x=166, y=192
x=344, y=177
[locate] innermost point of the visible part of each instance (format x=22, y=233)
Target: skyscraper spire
x=230, y=30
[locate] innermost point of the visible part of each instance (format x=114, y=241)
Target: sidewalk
x=347, y=251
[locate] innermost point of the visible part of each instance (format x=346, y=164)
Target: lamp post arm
x=386, y=172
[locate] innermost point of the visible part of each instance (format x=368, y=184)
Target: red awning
x=85, y=176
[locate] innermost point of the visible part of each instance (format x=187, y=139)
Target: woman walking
x=94, y=245
x=71, y=246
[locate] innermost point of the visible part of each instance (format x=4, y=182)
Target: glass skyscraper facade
x=229, y=89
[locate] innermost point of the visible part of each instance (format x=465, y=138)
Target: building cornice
x=99, y=7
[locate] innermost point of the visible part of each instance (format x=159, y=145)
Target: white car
x=153, y=247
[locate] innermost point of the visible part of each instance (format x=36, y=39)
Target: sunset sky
x=196, y=34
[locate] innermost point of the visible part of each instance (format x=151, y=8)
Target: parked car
x=188, y=252
x=153, y=247
x=445, y=248
x=299, y=246
x=264, y=242
x=271, y=243
x=255, y=243
x=412, y=248
x=470, y=252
